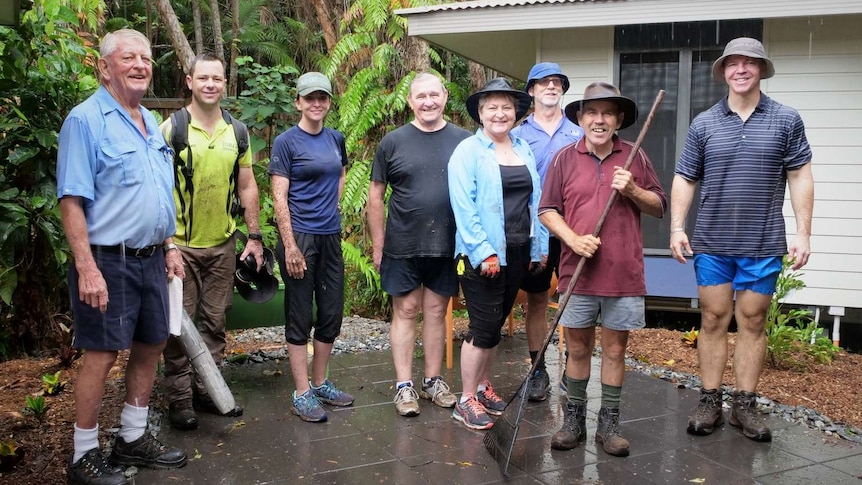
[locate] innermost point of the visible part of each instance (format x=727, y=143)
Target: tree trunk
x=325, y=20
x=199, y=30
x=175, y=32
x=218, y=38
x=415, y=54
x=234, y=48
x=477, y=76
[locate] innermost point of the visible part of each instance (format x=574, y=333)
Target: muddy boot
x=574, y=429
x=744, y=414
x=708, y=414
x=608, y=433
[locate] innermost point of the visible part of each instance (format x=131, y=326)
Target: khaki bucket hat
x=743, y=46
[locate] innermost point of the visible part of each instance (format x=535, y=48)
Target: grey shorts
x=620, y=313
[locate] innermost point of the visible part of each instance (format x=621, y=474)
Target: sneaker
x=744, y=414
x=146, y=451
x=437, y=391
x=328, y=393
x=182, y=416
x=205, y=404
x=308, y=407
x=93, y=469
x=472, y=414
x=490, y=400
x=708, y=414
x=540, y=384
x=407, y=401
x=608, y=433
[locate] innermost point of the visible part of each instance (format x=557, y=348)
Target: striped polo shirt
x=742, y=169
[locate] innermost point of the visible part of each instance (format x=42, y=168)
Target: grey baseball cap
x=311, y=82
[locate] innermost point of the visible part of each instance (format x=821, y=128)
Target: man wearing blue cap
x=546, y=130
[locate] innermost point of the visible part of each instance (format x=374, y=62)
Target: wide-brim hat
x=605, y=92
x=546, y=69
x=743, y=46
x=253, y=285
x=502, y=86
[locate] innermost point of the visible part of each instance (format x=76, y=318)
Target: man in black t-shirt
x=414, y=248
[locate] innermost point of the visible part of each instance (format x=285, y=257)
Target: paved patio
x=368, y=443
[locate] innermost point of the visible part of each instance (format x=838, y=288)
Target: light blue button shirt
x=476, y=195
x=545, y=147
x=126, y=180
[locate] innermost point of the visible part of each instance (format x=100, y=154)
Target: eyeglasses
x=545, y=81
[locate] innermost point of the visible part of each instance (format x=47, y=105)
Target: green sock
x=611, y=396
x=577, y=390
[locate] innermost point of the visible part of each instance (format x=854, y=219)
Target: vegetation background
x=47, y=68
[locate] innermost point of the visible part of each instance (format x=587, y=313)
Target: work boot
x=182, y=416
x=148, y=452
x=574, y=429
x=205, y=404
x=744, y=414
x=93, y=469
x=708, y=414
x=608, y=433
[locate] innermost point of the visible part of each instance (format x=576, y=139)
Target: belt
x=144, y=252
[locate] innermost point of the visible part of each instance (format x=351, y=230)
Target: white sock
x=400, y=384
x=481, y=387
x=464, y=398
x=85, y=440
x=133, y=422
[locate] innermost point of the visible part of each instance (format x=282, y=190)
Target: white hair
x=111, y=41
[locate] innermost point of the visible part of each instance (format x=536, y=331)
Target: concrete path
x=369, y=444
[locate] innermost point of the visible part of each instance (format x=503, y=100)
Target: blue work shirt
x=126, y=180
x=544, y=146
x=476, y=195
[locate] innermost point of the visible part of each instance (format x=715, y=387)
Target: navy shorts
x=399, y=277
x=137, y=303
x=541, y=282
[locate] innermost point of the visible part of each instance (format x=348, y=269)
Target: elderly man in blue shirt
x=115, y=183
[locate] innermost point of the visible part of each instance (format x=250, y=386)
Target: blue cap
x=543, y=70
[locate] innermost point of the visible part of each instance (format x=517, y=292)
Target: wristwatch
x=169, y=247
x=256, y=236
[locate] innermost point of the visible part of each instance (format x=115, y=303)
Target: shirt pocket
x=121, y=166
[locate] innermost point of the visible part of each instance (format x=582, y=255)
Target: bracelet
x=169, y=247
x=255, y=236
x=677, y=229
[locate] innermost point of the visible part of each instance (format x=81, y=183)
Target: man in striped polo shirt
x=743, y=151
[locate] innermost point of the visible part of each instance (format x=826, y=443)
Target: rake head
x=500, y=439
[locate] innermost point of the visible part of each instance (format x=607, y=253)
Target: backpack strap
x=240, y=131
x=180, y=121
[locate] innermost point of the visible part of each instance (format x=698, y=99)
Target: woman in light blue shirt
x=494, y=189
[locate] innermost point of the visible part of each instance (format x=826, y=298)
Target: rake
x=500, y=440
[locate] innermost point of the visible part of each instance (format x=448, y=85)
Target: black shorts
x=541, y=282
x=399, y=277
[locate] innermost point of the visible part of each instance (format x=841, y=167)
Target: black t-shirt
x=517, y=189
x=413, y=162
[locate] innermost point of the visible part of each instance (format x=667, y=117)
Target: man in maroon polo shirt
x=578, y=184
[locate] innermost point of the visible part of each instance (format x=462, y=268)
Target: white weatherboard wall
x=584, y=55
x=818, y=64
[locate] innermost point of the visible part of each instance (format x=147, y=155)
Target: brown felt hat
x=608, y=92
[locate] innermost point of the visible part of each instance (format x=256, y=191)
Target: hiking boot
x=608, y=433
x=708, y=414
x=205, y=404
x=744, y=414
x=407, y=401
x=148, y=452
x=308, y=407
x=490, y=400
x=540, y=384
x=182, y=416
x=93, y=469
x=472, y=414
x=574, y=429
x=437, y=391
x=328, y=393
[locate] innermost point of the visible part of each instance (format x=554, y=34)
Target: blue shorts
x=398, y=277
x=620, y=313
x=746, y=273
x=137, y=303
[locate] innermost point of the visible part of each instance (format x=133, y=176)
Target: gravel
x=363, y=334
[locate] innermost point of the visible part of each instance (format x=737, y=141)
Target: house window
x=677, y=58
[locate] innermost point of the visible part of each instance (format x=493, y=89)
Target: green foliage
x=52, y=385
x=793, y=339
x=36, y=406
x=266, y=103
x=8, y=448
x=46, y=69
x=690, y=337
